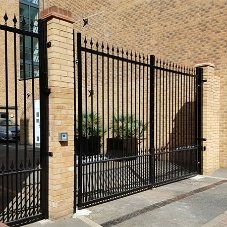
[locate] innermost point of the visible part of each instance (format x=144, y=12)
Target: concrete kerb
x=216, y=220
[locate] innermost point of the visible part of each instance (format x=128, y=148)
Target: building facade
x=192, y=33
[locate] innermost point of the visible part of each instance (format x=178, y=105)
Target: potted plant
x=92, y=131
x=127, y=130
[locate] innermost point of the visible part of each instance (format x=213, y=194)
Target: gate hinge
x=77, y=61
x=50, y=154
x=46, y=91
x=203, y=139
x=203, y=81
x=48, y=44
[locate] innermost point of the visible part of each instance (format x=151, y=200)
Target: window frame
x=28, y=62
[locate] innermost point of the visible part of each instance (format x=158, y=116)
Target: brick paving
x=222, y=223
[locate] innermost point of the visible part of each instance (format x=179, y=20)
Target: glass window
x=29, y=11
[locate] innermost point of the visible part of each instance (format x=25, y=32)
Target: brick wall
x=183, y=32
x=61, y=112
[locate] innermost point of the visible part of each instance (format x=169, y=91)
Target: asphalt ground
x=197, y=201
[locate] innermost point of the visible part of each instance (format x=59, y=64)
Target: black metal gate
x=137, y=122
x=23, y=151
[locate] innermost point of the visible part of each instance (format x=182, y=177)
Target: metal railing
x=136, y=122
x=22, y=173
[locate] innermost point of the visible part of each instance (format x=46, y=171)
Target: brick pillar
x=61, y=111
x=210, y=116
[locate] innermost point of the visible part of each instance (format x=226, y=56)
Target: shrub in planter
x=126, y=130
x=92, y=131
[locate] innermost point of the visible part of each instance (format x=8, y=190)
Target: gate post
x=44, y=113
x=61, y=111
x=210, y=107
x=199, y=73
x=79, y=58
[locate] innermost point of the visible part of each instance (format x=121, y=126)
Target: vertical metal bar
x=166, y=121
x=97, y=134
x=7, y=123
x=178, y=121
x=75, y=125
x=118, y=113
x=139, y=136
x=103, y=129
x=122, y=113
x=160, y=125
x=79, y=58
x=92, y=127
x=33, y=122
x=191, y=78
x=16, y=121
x=199, y=72
x=25, y=125
x=181, y=125
x=131, y=164
x=134, y=153
x=85, y=153
x=186, y=117
x=156, y=120
x=143, y=153
x=195, y=137
x=152, y=165
x=113, y=186
x=108, y=111
x=127, y=94
x=147, y=113
x=169, y=149
x=44, y=119
x=172, y=119
x=176, y=124
x=3, y=196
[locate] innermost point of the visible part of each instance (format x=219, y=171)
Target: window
x=29, y=10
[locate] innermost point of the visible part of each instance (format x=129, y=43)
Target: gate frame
x=152, y=168
x=44, y=121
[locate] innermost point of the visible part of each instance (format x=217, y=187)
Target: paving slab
x=194, y=202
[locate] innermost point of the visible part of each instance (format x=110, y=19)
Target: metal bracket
x=203, y=139
x=203, y=81
x=50, y=154
x=48, y=44
x=46, y=91
x=77, y=61
x=91, y=92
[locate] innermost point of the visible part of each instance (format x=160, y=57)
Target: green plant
x=125, y=126
x=91, y=125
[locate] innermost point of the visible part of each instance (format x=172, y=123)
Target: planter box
x=118, y=148
x=90, y=145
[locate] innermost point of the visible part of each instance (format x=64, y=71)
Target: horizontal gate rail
x=19, y=31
